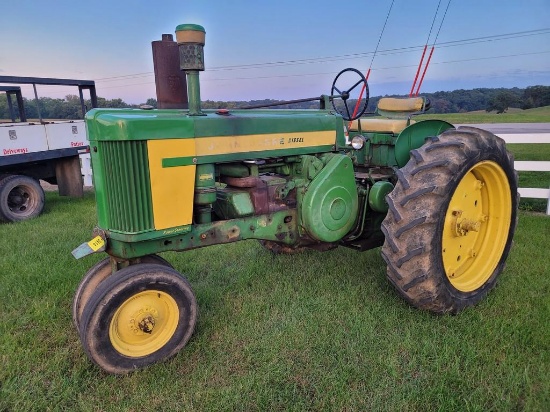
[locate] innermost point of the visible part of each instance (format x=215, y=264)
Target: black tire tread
x=94, y=333
x=7, y=184
x=94, y=277
x=412, y=227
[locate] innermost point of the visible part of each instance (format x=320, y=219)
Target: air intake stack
x=190, y=38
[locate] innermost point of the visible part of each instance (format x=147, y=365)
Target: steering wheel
x=346, y=94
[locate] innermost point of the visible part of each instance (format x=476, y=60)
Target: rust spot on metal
x=234, y=232
x=147, y=324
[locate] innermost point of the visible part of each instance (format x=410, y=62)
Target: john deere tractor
x=440, y=200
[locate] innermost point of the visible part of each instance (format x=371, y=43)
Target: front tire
x=451, y=221
x=140, y=315
x=94, y=277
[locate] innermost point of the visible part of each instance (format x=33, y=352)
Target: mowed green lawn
x=536, y=115
x=316, y=331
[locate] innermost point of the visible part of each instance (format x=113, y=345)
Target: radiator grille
x=127, y=185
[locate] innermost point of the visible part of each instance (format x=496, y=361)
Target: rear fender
x=414, y=136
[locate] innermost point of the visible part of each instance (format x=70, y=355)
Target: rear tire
x=140, y=315
x=21, y=198
x=452, y=218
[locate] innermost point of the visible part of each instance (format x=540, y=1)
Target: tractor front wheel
x=140, y=315
x=451, y=221
x=93, y=278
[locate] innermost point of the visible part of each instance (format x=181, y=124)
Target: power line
x=325, y=59
x=426, y=46
x=380, y=38
x=378, y=68
x=332, y=73
x=129, y=76
x=390, y=51
x=433, y=22
x=431, y=53
x=442, y=20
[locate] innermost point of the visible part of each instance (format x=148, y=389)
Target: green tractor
x=440, y=200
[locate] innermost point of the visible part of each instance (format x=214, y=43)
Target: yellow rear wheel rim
x=144, y=323
x=477, y=223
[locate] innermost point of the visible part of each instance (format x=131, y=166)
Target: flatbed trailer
x=41, y=150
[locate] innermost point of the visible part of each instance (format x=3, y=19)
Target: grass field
x=317, y=331
x=537, y=115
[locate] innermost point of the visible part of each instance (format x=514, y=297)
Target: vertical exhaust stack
x=190, y=38
x=170, y=81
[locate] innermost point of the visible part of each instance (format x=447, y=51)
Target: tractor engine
x=175, y=179
x=322, y=189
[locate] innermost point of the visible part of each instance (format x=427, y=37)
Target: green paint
x=233, y=203
x=414, y=136
x=319, y=181
x=330, y=205
x=149, y=235
x=192, y=27
x=377, y=196
x=194, y=93
x=234, y=170
x=205, y=185
x=279, y=227
x=137, y=124
x=122, y=186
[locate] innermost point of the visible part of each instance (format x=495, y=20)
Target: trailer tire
x=21, y=198
x=452, y=218
x=140, y=315
x=94, y=277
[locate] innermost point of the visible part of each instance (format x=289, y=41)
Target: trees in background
x=502, y=101
x=67, y=108
x=455, y=101
x=536, y=96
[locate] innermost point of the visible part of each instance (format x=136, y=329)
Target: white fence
x=531, y=166
x=522, y=166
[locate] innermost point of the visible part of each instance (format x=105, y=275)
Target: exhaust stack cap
x=190, y=33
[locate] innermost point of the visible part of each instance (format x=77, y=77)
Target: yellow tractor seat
x=394, y=115
x=380, y=125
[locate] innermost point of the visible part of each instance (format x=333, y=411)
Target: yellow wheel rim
x=477, y=224
x=144, y=323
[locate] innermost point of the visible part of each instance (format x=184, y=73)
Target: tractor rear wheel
x=140, y=315
x=21, y=198
x=452, y=218
x=93, y=278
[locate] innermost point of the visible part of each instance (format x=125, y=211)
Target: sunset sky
x=279, y=49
